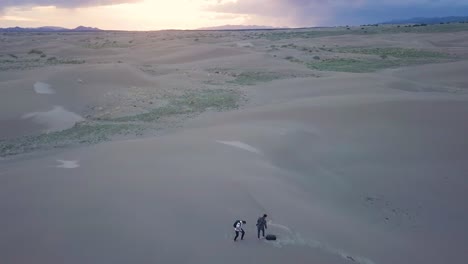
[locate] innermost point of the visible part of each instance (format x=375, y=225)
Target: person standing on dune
x=238, y=229
x=261, y=225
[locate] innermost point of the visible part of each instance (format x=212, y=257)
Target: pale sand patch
x=241, y=145
x=244, y=45
x=56, y=119
x=68, y=164
x=43, y=88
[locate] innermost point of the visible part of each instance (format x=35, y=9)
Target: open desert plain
x=145, y=147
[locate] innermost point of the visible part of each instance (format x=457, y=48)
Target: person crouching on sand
x=238, y=229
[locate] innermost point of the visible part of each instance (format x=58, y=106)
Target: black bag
x=270, y=237
x=235, y=223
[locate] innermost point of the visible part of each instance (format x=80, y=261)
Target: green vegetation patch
x=81, y=133
x=189, y=103
x=396, y=53
x=23, y=63
x=352, y=65
x=218, y=99
x=56, y=61
x=252, y=78
x=384, y=58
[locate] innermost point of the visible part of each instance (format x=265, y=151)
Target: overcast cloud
x=193, y=13
x=62, y=3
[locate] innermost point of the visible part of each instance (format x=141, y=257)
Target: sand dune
x=354, y=145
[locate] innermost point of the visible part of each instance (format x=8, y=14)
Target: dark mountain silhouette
x=49, y=29
x=429, y=20
x=82, y=28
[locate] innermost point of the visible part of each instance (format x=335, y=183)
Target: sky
x=192, y=14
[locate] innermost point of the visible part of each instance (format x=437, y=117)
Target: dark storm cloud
x=307, y=12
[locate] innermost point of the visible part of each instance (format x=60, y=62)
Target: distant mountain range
x=49, y=29
x=415, y=20
x=429, y=20
x=237, y=27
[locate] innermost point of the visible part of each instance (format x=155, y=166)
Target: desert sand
x=145, y=147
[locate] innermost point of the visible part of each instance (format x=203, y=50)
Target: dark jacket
x=261, y=223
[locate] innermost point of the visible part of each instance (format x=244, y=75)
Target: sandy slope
x=352, y=168
x=381, y=181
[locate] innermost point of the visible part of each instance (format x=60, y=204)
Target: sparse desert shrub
x=72, y=61
x=43, y=55
x=35, y=51
x=13, y=56
x=293, y=59
x=384, y=56
x=316, y=58
x=7, y=61
x=54, y=60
